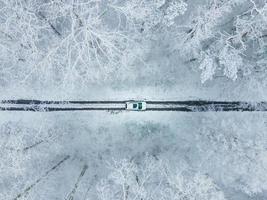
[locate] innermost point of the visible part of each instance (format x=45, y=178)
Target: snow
x=143, y=50
x=229, y=147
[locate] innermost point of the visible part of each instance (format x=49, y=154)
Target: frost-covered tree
x=150, y=178
x=75, y=42
x=23, y=153
x=227, y=37
x=12, y=144
x=62, y=42
x=238, y=150
x=147, y=16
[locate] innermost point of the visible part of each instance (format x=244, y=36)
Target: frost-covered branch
x=152, y=179
x=227, y=48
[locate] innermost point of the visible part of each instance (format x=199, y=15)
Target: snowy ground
x=203, y=142
x=102, y=155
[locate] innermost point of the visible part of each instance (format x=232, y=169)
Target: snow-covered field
x=136, y=49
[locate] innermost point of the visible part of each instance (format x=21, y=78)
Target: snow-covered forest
x=133, y=49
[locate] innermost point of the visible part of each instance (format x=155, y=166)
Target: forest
x=133, y=49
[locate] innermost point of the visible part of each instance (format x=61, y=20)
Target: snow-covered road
x=183, y=106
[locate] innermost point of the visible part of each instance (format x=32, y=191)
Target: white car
x=136, y=105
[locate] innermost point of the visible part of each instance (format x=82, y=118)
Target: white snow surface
x=143, y=50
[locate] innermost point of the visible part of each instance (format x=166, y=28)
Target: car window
x=134, y=105
x=139, y=106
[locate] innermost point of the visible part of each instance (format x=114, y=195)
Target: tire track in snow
x=26, y=191
x=182, y=106
x=70, y=196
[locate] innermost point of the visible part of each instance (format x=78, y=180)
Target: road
x=182, y=106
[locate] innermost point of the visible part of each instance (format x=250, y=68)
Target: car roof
x=135, y=101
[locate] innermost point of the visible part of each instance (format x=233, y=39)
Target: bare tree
x=152, y=179
x=227, y=45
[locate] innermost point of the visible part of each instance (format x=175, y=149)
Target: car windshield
x=139, y=106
